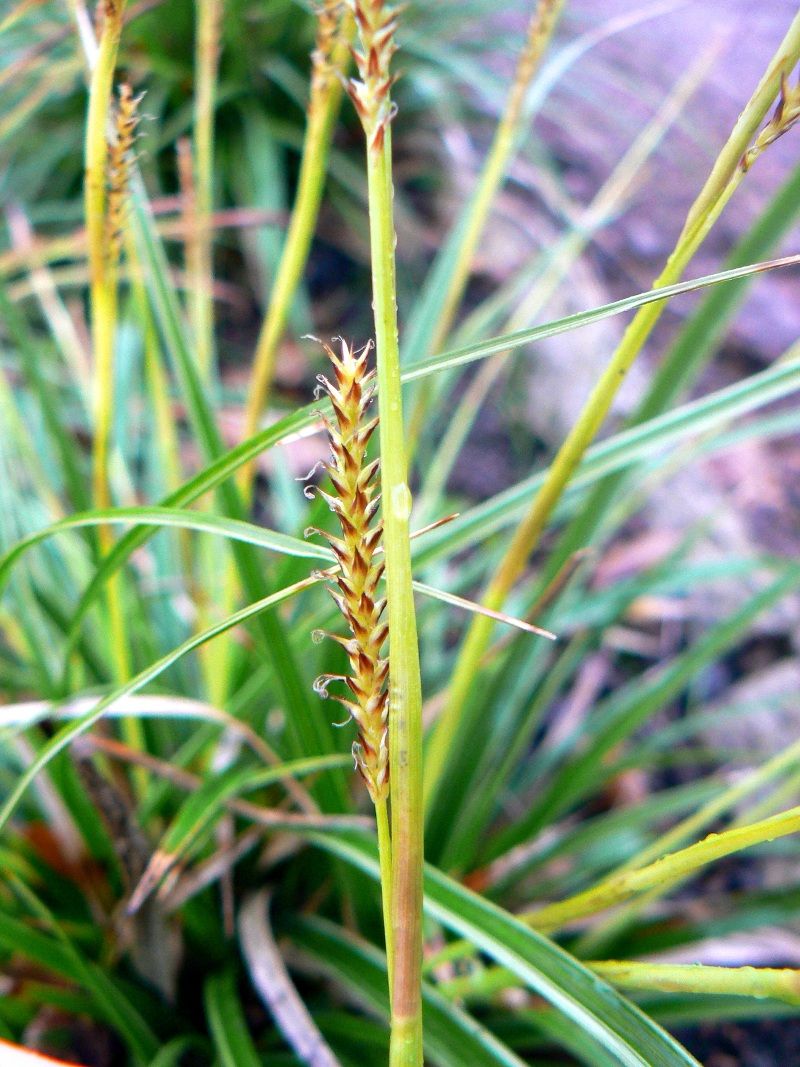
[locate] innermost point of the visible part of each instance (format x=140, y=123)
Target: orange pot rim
x=15, y=1056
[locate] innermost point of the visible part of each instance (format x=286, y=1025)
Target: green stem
x=540, y=31
x=209, y=15
x=213, y=562
x=405, y=701
x=666, y=870
x=715, y=194
x=778, y=984
x=102, y=269
x=103, y=300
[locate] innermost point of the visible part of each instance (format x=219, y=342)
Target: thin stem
x=723, y=181
x=102, y=268
x=540, y=31
x=674, y=865
x=776, y=983
x=329, y=63
x=405, y=706
x=372, y=98
x=103, y=299
x=209, y=16
x=212, y=559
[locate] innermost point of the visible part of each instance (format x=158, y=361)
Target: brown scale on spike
x=323, y=63
x=376, y=21
x=126, y=120
x=785, y=115
x=355, y=505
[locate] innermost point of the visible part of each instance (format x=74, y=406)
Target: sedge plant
x=242, y=896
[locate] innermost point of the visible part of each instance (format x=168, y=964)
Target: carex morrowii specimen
x=354, y=587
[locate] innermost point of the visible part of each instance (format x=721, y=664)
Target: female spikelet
x=354, y=588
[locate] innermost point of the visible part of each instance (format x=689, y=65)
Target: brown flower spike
x=355, y=504
x=323, y=63
x=371, y=95
x=126, y=119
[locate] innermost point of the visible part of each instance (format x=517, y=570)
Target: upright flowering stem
x=329, y=62
x=209, y=17
x=102, y=265
x=104, y=196
x=371, y=95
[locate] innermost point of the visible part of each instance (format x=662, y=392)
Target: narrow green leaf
x=172, y=1054
x=227, y=1023
x=507, y=342
x=161, y=517
x=57, y=954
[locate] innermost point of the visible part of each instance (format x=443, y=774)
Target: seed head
x=354, y=589
x=126, y=119
x=329, y=29
x=371, y=93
